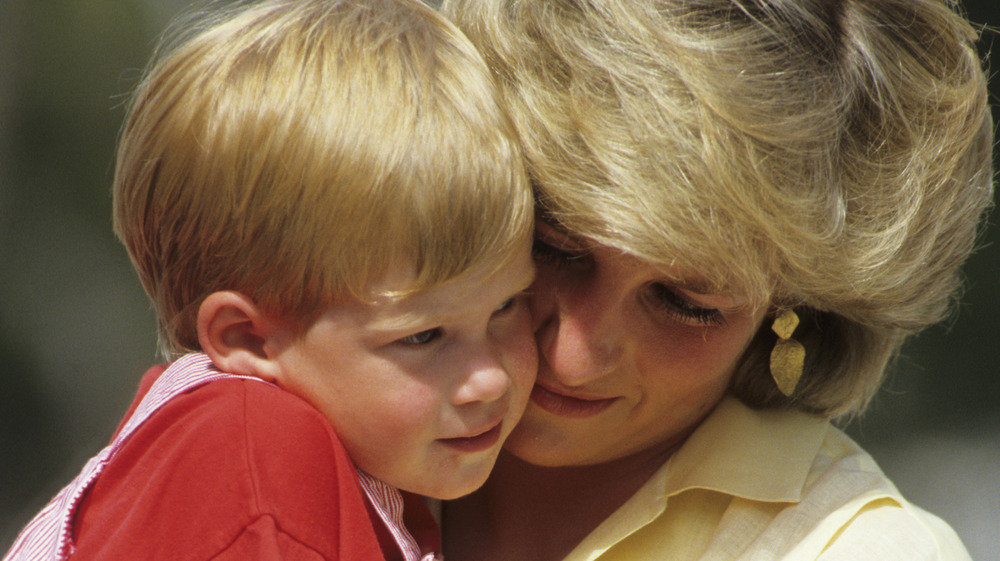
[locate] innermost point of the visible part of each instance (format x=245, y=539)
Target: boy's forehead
x=438, y=304
x=395, y=307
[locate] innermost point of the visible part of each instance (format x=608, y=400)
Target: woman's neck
x=535, y=513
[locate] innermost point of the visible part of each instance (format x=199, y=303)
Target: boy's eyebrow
x=404, y=322
x=399, y=313
x=409, y=320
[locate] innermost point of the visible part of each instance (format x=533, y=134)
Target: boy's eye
x=421, y=338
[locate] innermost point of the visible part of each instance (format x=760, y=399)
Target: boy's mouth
x=476, y=443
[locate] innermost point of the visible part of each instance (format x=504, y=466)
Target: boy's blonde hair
x=832, y=156
x=295, y=150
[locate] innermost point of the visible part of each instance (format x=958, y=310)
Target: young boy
x=329, y=210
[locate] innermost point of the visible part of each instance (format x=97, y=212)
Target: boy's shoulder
x=259, y=411
x=252, y=430
x=217, y=460
x=232, y=417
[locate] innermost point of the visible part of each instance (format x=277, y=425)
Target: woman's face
x=630, y=359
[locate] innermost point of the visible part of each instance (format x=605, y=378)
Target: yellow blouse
x=759, y=485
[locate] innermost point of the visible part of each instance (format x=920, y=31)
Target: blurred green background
x=76, y=331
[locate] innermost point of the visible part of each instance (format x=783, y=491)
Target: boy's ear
x=237, y=336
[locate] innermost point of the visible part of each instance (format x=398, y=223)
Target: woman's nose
x=578, y=337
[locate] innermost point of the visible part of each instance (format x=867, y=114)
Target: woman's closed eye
x=422, y=337
x=545, y=252
x=681, y=309
x=505, y=305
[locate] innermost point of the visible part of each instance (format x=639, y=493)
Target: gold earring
x=788, y=355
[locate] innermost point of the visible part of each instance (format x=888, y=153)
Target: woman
x=745, y=207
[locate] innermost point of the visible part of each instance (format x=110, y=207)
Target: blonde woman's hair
x=827, y=156
x=295, y=150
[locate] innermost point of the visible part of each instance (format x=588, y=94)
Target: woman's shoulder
x=802, y=489
x=893, y=530
x=863, y=514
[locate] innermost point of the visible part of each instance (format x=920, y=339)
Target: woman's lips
x=477, y=443
x=568, y=406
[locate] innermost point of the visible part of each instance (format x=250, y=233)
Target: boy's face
x=424, y=390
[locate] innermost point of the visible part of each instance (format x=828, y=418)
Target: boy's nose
x=486, y=380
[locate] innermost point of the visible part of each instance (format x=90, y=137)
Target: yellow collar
x=757, y=455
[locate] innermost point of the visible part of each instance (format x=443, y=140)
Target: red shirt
x=234, y=469
x=230, y=469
